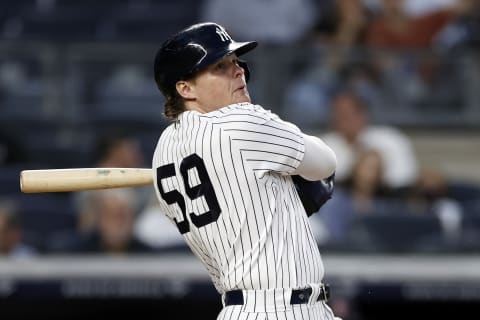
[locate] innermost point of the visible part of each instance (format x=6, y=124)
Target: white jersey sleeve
x=311, y=168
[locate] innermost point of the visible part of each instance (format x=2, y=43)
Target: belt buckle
x=323, y=292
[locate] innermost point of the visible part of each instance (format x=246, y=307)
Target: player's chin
x=241, y=96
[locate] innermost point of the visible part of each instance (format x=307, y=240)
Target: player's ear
x=185, y=89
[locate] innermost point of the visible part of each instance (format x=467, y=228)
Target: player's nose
x=237, y=70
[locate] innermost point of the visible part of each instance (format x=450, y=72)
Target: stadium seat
x=463, y=192
x=395, y=232
x=127, y=98
x=155, y=20
x=470, y=236
x=10, y=179
x=56, y=147
x=22, y=89
x=472, y=207
x=44, y=214
x=61, y=27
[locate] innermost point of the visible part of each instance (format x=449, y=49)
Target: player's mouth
x=240, y=88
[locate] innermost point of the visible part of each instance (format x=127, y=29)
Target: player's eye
x=220, y=66
x=225, y=64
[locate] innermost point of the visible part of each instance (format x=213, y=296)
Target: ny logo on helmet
x=223, y=34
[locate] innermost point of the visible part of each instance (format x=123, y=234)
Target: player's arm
x=319, y=160
x=314, y=177
x=314, y=194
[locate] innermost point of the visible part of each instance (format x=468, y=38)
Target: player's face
x=220, y=84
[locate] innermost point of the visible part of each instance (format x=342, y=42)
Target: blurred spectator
x=414, y=75
x=430, y=195
x=113, y=231
x=412, y=7
x=11, y=244
x=113, y=151
x=396, y=84
x=86, y=216
x=352, y=132
x=415, y=7
x=394, y=27
x=154, y=228
x=341, y=23
x=277, y=22
x=337, y=60
x=118, y=150
x=307, y=97
x=149, y=225
x=366, y=181
x=363, y=194
x=464, y=31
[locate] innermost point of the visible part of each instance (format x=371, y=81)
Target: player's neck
x=194, y=106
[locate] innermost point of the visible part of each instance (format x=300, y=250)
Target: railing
x=162, y=275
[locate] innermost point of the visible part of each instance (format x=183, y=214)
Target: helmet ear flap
x=243, y=64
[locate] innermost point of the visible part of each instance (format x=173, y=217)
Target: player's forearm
x=319, y=160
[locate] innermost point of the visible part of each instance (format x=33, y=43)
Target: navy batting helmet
x=193, y=48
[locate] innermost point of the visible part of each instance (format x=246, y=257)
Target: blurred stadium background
x=77, y=90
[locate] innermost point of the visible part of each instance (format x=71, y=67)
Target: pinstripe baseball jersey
x=223, y=179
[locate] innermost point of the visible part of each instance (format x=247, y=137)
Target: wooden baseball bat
x=64, y=180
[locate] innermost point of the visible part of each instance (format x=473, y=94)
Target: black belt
x=299, y=296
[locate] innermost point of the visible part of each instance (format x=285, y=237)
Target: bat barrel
x=64, y=180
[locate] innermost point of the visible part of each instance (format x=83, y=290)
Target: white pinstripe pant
x=318, y=311
x=275, y=304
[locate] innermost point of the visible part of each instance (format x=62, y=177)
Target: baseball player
x=230, y=175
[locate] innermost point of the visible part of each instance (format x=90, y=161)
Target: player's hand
x=314, y=194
